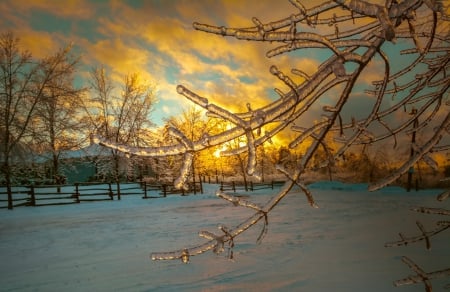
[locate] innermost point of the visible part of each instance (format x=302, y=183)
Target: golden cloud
x=120, y=57
x=80, y=9
x=40, y=44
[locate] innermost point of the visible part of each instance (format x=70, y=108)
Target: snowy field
x=105, y=246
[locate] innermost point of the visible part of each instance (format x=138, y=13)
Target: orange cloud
x=40, y=44
x=79, y=9
x=120, y=57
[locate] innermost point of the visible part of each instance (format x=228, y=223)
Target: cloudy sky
x=155, y=38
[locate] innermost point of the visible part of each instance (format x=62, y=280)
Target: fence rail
x=251, y=186
x=90, y=192
x=261, y=186
x=20, y=198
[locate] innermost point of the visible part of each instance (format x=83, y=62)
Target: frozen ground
x=105, y=246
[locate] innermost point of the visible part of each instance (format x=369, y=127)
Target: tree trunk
x=57, y=179
x=7, y=173
x=116, y=174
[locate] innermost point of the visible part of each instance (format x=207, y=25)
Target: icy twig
x=425, y=149
x=244, y=203
x=425, y=236
x=302, y=186
x=185, y=253
x=437, y=211
x=421, y=275
x=236, y=201
x=444, y=195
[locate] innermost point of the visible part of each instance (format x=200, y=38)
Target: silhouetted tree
x=24, y=82
x=121, y=118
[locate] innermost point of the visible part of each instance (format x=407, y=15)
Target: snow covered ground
x=105, y=246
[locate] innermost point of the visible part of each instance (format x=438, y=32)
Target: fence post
x=251, y=186
x=164, y=190
x=77, y=193
x=272, y=184
x=33, y=198
x=145, y=189
x=221, y=186
x=234, y=186
x=118, y=190
x=111, y=194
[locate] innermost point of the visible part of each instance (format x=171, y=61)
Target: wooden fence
x=91, y=192
x=44, y=195
x=251, y=186
x=261, y=186
x=167, y=189
x=20, y=197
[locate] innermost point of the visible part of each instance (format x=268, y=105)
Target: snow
x=105, y=246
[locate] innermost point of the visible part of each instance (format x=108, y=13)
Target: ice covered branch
x=357, y=38
x=424, y=235
x=421, y=275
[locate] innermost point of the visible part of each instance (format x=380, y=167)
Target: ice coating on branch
x=328, y=108
x=260, y=117
x=303, y=187
x=299, y=6
x=416, y=157
x=300, y=73
x=201, y=101
x=236, y=201
x=205, y=139
x=426, y=158
x=219, y=246
x=274, y=70
x=181, y=181
x=338, y=69
x=251, y=161
x=226, y=115
x=288, y=81
x=422, y=275
x=260, y=26
x=388, y=27
x=431, y=162
x=305, y=134
x=438, y=211
x=443, y=196
x=185, y=256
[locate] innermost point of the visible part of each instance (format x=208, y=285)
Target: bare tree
x=58, y=125
x=195, y=126
x=24, y=82
x=121, y=118
x=358, y=36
